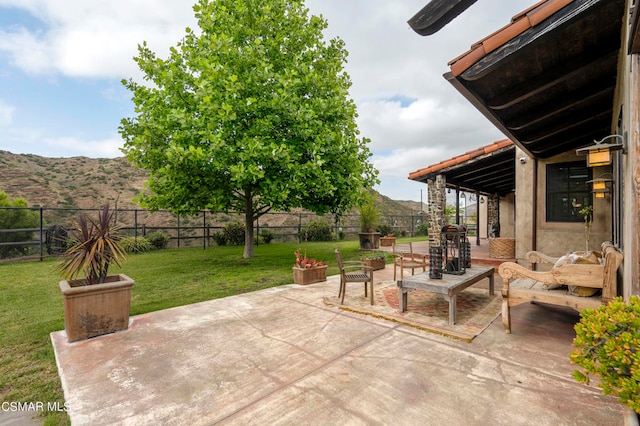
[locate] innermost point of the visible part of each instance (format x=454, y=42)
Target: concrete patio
x=281, y=356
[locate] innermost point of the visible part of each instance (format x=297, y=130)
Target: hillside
x=90, y=182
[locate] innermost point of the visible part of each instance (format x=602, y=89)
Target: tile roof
x=519, y=24
x=460, y=159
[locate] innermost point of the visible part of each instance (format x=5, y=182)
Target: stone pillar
x=437, y=202
x=493, y=214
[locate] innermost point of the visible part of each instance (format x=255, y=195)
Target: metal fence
x=183, y=231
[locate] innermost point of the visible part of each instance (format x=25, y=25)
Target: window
x=567, y=191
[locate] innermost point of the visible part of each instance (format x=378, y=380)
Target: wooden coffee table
x=449, y=286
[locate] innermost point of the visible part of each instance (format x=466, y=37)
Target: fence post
x=204, y=229
x=299, y=228
x=41, y=233
x=178, y=230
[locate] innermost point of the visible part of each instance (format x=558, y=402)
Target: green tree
x=18, y=216
x=251, y=114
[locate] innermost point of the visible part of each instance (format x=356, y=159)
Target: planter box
x=375, y=264
x=94, y=310
x=309, y=276
x=387, y=241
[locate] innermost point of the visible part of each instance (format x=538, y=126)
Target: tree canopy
x=250, y=113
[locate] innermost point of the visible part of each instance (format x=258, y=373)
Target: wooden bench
x=529, y=286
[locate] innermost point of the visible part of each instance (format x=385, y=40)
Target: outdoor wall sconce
x=599, y=154
x=599, y=185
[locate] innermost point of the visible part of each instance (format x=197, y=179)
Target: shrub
x=136, y=245
x=219, y=238
x=234, y=233
x=422, y=229
x=158, y=240
x=266, y=236
x=383, y=229
x=18, y=218
x=608, y=345
x=318, y=230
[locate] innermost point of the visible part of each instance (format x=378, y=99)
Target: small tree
x=587, y=213
x=369, y=214
x=17, y=216
x=251, y=113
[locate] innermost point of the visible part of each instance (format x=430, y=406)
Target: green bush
x=266, y=236
x=234, y=233
x=422, y=229
x=383, y=229
x=19, y=218
x=158, y=240
x=136, y=245
x=608, y=346
x=318, y=230
x=219, y=238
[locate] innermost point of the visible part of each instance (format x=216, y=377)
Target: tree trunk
x=248, y=225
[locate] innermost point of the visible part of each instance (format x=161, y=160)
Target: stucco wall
x=554, y=238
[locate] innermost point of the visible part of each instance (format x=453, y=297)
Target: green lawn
x=32, y=304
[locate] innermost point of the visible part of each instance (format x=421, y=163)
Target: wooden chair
x=360, y=273
x=405, y=257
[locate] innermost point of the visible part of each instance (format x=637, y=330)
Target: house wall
x=553, y=238
x=507, y=216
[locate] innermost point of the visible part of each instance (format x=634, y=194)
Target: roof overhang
x=548, y=79
x=436, y=14
x=488, y=170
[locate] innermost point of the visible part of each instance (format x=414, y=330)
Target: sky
x=62, y=62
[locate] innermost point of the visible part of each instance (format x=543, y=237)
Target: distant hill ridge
x=90, y=182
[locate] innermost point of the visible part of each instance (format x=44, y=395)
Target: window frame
x=562, y=189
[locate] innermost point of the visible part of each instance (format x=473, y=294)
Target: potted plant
x=608, y=346
x=96, y=303
x=369, y=215
x=375, y=261
x=308, y=270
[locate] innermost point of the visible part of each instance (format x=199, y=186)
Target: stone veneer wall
x=437, y=203
x=493, y=211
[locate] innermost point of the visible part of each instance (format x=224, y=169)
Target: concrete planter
x=94, y=310
x=309, y=275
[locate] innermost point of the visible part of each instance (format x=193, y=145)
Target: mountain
x=91, y=182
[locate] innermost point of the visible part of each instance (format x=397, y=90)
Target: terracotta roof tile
x=461, y=158
x=519, y=24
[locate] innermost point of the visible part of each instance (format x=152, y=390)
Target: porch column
x=436, y=205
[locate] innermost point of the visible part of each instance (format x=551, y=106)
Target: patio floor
x=281, y=356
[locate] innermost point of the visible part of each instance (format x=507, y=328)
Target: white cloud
x=6, y=114
x=106, y=148
x=96, y=39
